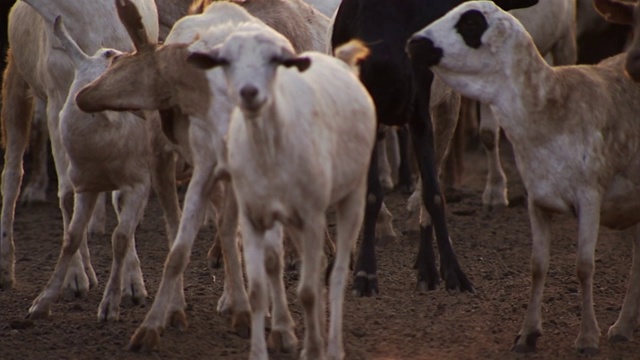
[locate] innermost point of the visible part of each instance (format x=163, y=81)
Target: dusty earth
x=398, y=324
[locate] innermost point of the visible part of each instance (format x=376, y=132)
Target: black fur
x=471, y=26
x=401, y=93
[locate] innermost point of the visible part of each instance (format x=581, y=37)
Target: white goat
x=105, y=153
x=35, y=66
x=552, y=25
x=575, y=136
x=170, y=83
x=299, y=142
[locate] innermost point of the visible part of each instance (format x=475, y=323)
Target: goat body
x=298, y=143
x=201, y=99
x=575, y=136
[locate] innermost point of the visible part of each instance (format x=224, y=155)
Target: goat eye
x=276, y=60
x=471, y=26
x=115, y=57
x=109, y=53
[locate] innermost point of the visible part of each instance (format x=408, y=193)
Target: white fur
x=552, y=25
x=204, y=101
x=36, y=65
x=300, y=144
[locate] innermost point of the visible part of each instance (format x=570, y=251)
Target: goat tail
x=352, y=53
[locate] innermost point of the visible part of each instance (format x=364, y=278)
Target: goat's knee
x=176, y=261
x=307, y=297
x=120, y=245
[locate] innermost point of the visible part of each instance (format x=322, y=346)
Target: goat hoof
x=6, y=281
x=495, y=208
x=423, y=287
x=365, y=284
x=33, y=194
x=385, y=240
x=40, y=309
x=108, y=311
x=93, y=279
x=39, y=313
x=387, y=184
x=76, y=285
x=405, y=189
x=145, y=339
x=293, y=265
x=178, y=320
x=241, y=324
x=529, y=344
x=457, y=280
x=215, y=262
x=282, y=341
x=214, y=257
x=589, y=351
x=411, y=234
x=618, y=338
x=134, y=295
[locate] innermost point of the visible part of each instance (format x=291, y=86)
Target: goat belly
x=620, y=207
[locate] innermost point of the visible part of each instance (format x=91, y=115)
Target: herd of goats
x=278, y=107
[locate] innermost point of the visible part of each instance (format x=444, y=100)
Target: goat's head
x=132, y=81
x=471, y=46
x=250, y=59
x=87, y=67
x=624, y=13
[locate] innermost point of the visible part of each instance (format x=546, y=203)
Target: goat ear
x=302, y=63
x=70, y=47
x=616, y=12
x=132, y=22
x=289, y=59
x=206, y=61
x=507, y=5
x=198, y=6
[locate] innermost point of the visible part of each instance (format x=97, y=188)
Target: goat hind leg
x=310, y=287
x=494, y=196
x=170, y=297
x=235, y=299
x=349, y=217
x=454, y=277
x=36, y=188
x=16, y=112
x=83, y=207
x=588, y=227
x=365, y=282
x=254, y=262
x=622, y=330
x=532, y=325
x=133, y=288
x=133, y=202
x=282, y=337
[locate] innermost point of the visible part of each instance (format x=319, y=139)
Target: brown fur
x=198, y=6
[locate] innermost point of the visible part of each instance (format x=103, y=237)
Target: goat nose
x=422, y=50
x=248, y=92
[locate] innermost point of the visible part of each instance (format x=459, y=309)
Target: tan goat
x=575, y=136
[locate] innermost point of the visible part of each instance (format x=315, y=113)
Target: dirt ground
x=493, y=248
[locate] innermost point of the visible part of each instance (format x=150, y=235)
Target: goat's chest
x=555, y=170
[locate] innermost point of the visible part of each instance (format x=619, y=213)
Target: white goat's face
x=473, y=39
x=98, y=63
x=250, y=60
x=250, y=71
